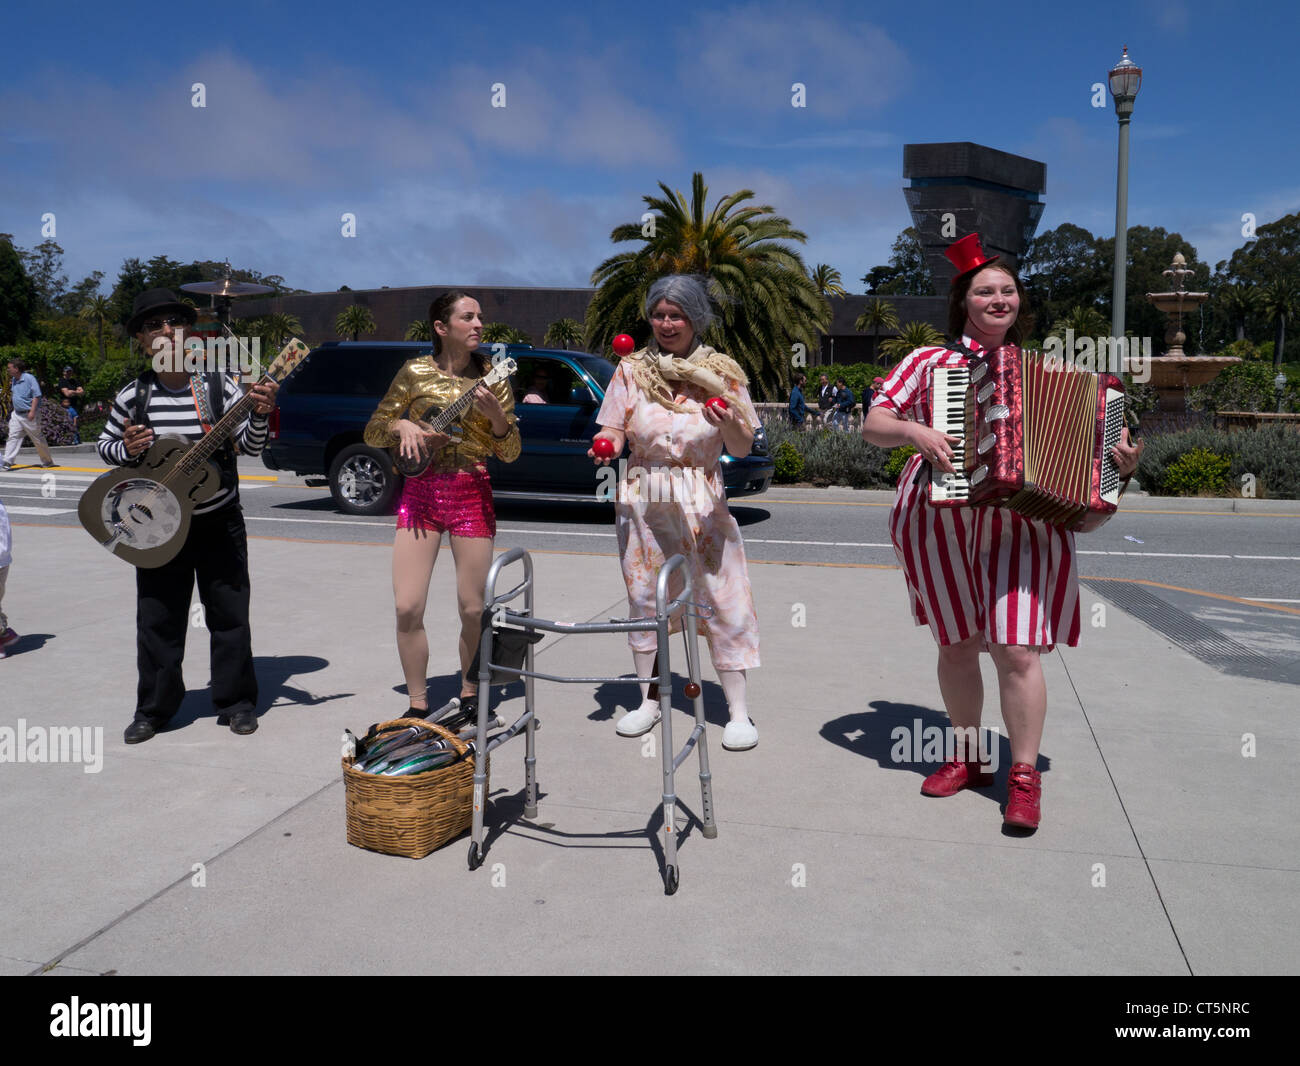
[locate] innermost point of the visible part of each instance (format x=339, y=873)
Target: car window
x=550, y=380
x=602, y=370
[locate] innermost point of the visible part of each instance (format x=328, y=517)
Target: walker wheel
x=475, y=855
x=670, y=881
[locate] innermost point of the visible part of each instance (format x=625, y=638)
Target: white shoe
x=642, y=720
x=740, y=736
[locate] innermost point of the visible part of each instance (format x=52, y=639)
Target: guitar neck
x=225, y=427
x=452, y=411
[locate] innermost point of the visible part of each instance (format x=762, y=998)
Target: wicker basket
x=413, y=815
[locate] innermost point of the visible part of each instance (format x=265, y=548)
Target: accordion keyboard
x=948, y=415
x=1114, y=424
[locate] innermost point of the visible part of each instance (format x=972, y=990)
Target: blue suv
x=325, y=404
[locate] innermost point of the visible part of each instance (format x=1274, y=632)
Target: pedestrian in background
x=73, y=398
x=843, y=405
x=26, y=395
x=798, y=408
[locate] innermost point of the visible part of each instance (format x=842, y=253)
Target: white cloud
x=748, y=57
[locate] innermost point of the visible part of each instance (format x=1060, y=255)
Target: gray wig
x=688, y=292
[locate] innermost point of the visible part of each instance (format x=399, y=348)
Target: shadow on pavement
x=273, y=674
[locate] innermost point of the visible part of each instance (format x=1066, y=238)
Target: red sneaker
x=1024, y=797
x=955, y=775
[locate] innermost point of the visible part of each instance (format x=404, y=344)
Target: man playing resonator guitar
x=169, y=400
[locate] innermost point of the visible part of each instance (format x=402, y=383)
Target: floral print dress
x=671, y=501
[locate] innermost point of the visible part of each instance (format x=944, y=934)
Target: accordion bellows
x=1036, y=437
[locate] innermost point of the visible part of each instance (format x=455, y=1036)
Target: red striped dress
x=975, y=570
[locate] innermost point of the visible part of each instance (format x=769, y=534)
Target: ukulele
x=446, y=417
x=142, y=513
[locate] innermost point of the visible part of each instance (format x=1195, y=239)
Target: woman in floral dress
x=671, y=498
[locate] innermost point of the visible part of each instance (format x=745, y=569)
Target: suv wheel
x=362, y=480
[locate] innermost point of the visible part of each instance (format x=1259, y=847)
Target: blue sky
x=385, y=112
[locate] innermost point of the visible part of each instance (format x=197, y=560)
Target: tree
x=1063, y=269
x=767, y=304
x=906, y=274
x=878, y=315
x=354, y=320
x=1150, y=253
x=827, y=280
x=98, y=311
x=132, y=280
x=44, y=267
x=912, y=335
x=1273, y=251
x=1237, y=303
x=1279, y=301
x=564, y=333
x=419, y=330
x=277, y=327
x=501, y=333
x=1083, y=322
x=17, y=295
x=81, y=293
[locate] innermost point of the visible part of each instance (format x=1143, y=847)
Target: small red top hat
x=968, y=254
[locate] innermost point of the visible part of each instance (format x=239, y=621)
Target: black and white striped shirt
x=173, y=414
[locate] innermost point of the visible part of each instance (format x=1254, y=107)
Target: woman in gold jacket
x=454, y=493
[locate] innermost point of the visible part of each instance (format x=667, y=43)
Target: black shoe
x=243, y=722
x=138, y=732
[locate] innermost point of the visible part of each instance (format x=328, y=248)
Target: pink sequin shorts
x=459, y=502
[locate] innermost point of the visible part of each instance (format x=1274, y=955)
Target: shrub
x=1242, y=349
x=1243, y=387
x=833, y=457
x=896, y=461
x=789, y=463
x=1270, y=455
x=1199, y=472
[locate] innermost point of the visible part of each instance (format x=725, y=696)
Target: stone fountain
x=1173, y=373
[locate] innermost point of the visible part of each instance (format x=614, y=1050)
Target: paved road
x=1235, y=570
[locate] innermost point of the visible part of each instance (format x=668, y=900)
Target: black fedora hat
x=154, y=302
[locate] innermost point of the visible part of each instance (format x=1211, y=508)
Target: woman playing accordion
x=982, y=578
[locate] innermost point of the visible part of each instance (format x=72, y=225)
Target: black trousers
x=216, y=556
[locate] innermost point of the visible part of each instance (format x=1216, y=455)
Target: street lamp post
x=1125, y=79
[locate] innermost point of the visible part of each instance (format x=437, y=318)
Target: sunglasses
x=153, y=325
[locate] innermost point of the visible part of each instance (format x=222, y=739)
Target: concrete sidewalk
x=1163, y=850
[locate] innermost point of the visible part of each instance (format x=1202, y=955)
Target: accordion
x=1035, y=435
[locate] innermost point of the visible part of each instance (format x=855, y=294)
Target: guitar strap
x=209, y=402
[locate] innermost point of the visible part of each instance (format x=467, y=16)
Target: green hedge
x=1270, y=454
x=1169, y=466
x=1244, y=387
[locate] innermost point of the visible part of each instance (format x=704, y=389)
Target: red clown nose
x=623, y=345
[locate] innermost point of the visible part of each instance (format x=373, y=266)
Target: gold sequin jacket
x=419, y=385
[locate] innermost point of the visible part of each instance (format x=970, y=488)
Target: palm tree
x=563, y=333
x=912, y=335
x=878, y=315
x=767, y=302
x=1278, y=301
x=1084, y=321
x=98, y=310
x=355, y=320
x=279, y=326
x=419, y=330
x=501, y=333
x=827, y=280
x=1238, y=302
